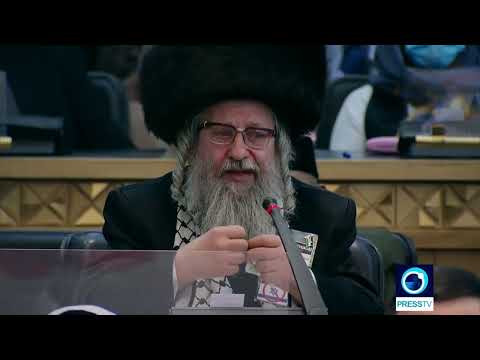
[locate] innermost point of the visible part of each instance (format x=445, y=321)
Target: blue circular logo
x=414, y=281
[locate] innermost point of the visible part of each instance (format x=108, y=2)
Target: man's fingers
x=230, y=231
x=265, y=267
x=235, y=258
x=267, y=241
x=236, y=245
x=263, y=253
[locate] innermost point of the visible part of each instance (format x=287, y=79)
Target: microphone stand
x=312, y=299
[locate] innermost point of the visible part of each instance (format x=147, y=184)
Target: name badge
x=307, y=243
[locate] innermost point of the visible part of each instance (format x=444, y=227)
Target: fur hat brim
x=178, y=82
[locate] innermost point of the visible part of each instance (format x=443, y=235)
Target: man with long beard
x=231, y=121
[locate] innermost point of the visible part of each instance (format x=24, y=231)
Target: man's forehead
x=248, y=112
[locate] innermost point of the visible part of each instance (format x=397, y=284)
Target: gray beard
x=214, y=202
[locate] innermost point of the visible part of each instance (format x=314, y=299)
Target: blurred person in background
x=348, y=60
x=123, y=62
x=52, y=81
x=377, y=108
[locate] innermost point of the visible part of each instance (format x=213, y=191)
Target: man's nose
x=238, y=149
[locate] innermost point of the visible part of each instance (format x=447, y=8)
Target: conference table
x=436, y=202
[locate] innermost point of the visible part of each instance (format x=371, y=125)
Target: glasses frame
x=272, y=132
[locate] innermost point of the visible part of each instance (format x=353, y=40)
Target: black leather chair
x=395, y=248
x=92, y=240
x=368, y=263
x=410, y=250
x=13, y=239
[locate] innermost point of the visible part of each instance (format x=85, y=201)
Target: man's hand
x=222, y=238
x=270, y=259
x=218, y=252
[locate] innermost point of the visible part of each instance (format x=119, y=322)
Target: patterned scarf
x=201, y=290
x=199, y=294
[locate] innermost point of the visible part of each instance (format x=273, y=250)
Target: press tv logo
x=414, y=288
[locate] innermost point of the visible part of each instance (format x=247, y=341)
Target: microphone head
x=268, y=201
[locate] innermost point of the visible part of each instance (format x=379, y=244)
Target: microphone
x=312, y=299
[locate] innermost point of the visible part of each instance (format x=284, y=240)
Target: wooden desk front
x=435, y=202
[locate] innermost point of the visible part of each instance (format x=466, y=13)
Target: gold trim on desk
x=330, y=170
x=399, y=170
x=435, y=202
x=440, y=139
x=5, y=142
x=83, y=168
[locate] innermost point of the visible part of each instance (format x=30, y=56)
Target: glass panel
x=123, y=282
x=142, y=282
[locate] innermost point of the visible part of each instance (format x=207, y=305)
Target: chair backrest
x=110, y=102
x=395, y=249
x=410, y=250
x=93, y=240
x=335, y=95
x=14, y=239
x=368, y=262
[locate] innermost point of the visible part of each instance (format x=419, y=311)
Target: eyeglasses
x=223, y=134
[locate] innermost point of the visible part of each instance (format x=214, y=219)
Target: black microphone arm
x=312, y=299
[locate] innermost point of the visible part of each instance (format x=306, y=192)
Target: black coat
x=143, y=216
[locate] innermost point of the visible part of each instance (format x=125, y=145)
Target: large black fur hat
x=178, y=82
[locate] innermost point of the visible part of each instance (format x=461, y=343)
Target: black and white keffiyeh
x=198, y=295
x=200, y=292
